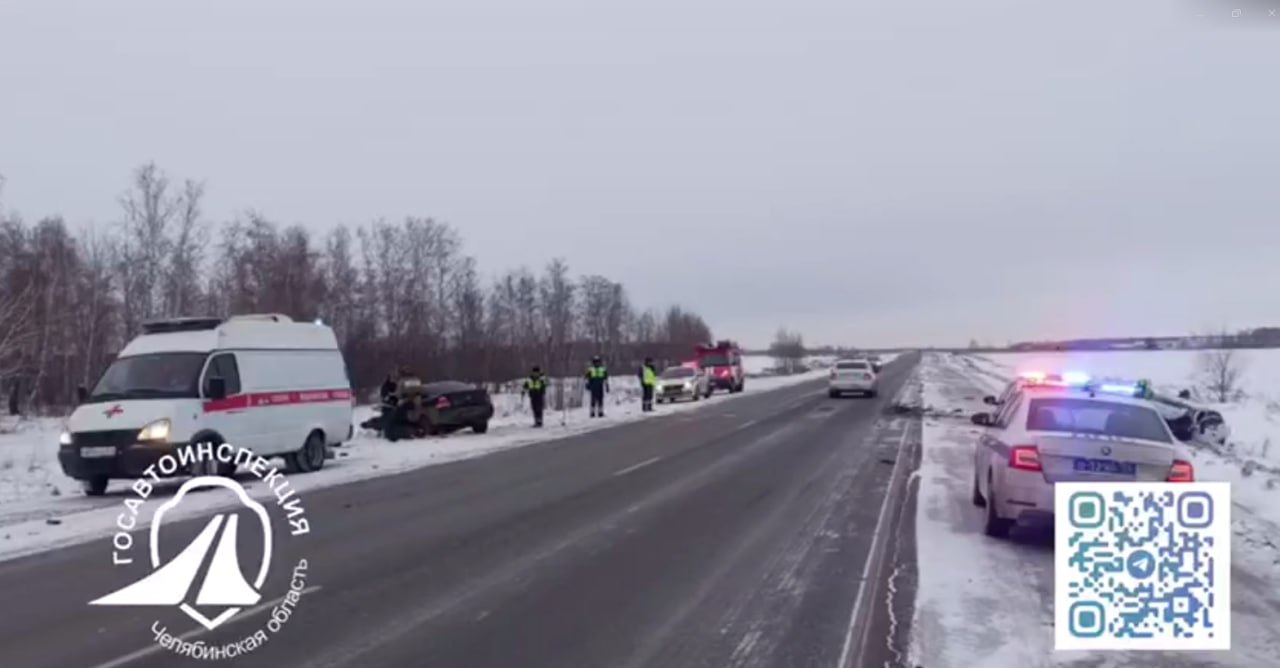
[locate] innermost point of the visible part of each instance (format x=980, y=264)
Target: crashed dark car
x=441, y=407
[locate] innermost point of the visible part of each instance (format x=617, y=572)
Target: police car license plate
x=1106, y=466
x=98, y=452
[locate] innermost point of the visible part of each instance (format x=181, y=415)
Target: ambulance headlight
x=64, y=438
x=156, y=431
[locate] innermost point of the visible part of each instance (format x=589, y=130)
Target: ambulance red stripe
x=243, y=401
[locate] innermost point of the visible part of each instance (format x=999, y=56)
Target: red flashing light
x=1182, y=471
x=442, y=403
x=1025, y=458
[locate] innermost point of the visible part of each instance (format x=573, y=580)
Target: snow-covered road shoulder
x=987, y=603
x=41, y=509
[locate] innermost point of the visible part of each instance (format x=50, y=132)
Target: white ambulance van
x=263, y=382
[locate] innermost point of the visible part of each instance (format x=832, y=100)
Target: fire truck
x=722, y=362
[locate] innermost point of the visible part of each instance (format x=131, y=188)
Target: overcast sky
x=872, y=173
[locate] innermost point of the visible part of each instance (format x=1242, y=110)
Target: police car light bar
x=1075, y=378
x=1082, y=380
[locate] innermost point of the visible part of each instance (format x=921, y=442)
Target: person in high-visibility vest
x=536, y=387
x=648, y=379
x=597, y=384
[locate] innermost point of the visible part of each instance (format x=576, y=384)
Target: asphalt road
x=735, y=535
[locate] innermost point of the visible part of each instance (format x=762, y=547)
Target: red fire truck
x=723, y=365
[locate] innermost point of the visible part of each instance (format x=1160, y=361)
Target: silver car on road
x=853, y=375
x=682, y=382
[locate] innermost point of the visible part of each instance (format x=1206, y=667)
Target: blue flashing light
x=1112, y=388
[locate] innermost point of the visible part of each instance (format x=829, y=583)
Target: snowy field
x=987, y=603
x=41, y=509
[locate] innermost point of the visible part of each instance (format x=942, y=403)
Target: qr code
x=1142, y=566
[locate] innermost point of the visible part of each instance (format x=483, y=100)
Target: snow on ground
x=42, y=509
x=987, y=603
x=764, y=365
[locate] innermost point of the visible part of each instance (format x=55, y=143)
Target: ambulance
x=261, y=381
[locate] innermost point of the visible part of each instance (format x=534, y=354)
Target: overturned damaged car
x=1191, y=422
x=418, y=409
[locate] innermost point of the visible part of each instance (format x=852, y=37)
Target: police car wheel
x=995, y=526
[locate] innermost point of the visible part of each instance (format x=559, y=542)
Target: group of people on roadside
x=597, y=385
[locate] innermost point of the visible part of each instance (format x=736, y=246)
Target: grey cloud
x=868, y=172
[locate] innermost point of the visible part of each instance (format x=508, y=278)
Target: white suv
x=853, y=376
x=1045, y=433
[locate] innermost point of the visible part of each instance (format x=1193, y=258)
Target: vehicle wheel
x=95, y=486
x=996, y=526
x=311, y=456
x=214, y=467
x=480, y=427
x=977, y=493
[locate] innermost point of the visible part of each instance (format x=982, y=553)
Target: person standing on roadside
x=597, y=384
x=536, y=387
x=648, y=379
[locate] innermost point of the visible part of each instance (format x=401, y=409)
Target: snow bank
x=987, y=603
x=42, y=509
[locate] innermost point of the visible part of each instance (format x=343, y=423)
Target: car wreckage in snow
x=1190, y=422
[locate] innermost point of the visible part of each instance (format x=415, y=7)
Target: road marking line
x=152, y=649
x=876, y=539
x=637, y=467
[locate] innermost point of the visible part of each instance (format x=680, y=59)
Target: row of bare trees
x=398, y=293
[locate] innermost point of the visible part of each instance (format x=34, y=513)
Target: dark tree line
x=398, y=293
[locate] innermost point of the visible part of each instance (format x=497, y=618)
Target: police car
x=1067, y=428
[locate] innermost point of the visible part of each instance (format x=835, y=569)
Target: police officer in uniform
x=597, y=384
x=388, y=390
x=648, y=379
x=536, y=387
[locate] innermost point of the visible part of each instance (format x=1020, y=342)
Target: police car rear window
x=851, y=365
x=1103, y=418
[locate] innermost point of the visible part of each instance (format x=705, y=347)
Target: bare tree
x=1220, y=372
x=403, y=294
x=556, y=294
x=788, y=349
x=469, y=326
